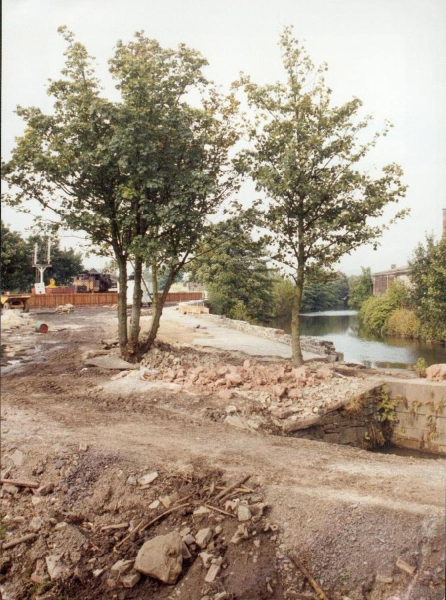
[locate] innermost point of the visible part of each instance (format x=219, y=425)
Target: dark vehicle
x=92, y=281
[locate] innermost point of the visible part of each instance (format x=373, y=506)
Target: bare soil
x=348, y=514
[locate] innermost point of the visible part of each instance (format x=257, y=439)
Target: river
x=342, y=328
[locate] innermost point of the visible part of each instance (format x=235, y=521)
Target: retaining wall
x=320, y=347
x=420, y=414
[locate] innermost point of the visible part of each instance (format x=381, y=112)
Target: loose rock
x=161, y=557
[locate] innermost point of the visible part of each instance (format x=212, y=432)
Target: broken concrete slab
x=110, y=362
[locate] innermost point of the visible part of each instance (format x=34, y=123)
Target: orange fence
x=99, y=299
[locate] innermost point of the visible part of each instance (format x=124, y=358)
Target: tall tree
x=305, y=156
x=360, y=288
x=139, y=176
x=428, y=287
x=233, y=268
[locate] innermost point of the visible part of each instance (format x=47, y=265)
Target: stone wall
x=320, y=347
x=355, y=423
x=420, y=414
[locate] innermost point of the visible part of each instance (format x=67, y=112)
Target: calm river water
x=342, y=328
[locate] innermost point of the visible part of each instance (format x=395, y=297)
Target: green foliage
x=232, y=267
x=360, y=288
x=317, y=296
x=17, y=273
x=305, y=156
x=283, y=294
x=428, y=291
x=376, y=310
x=403, y=322
x=326, y=295
x=420, y=367
x=139, y=176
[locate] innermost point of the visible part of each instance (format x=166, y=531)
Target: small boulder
x=436, y=372
x=243, y=513
x=203, y=537
x=149, y=478
x=161, y=557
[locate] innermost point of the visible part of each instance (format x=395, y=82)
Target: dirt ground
x=366, y=525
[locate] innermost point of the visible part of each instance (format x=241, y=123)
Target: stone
x=60, y=525
x=234, y=378
x=56, y=569
x=110, y=362
x=225, y=394
x=185, y=551
x=383, y=578
x=83, y=447
x=404, y=566
x=130, y=580
x=201, y=511
x=203, y=537
x=189, y=539
x=122, y=566
x=97, y=572
x=161, y=557
x=240, y=535
x=236, y=421
x=17, y=458
x=35, y=500
x=212, y=573
x=243, y=513
x=149, y=478
x=206, y=557
x=154, y=504
x=221, y=596
x=246, y=364
x=185, y=531
x=35, y=524
x=44, y=490
x=436, y=372
x=256, y=543
x=166, y=501
x=10, y=489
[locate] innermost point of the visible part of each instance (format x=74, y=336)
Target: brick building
x=383, y=279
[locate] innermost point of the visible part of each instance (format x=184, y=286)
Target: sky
x=389, y=53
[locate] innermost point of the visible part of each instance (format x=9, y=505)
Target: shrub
x=376, y=310
x=403, y=323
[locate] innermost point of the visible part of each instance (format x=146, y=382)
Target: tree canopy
x=305, y=155
x=17, y=273
x=139, y=176
x=360, y=288
x=428, y=287
x=233, y=267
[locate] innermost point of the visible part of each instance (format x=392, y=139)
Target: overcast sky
x=389, y=53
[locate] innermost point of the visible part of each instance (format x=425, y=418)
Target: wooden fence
x=100, y=299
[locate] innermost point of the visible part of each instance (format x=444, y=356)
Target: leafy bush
x=376, y=310
x=283, y=293
x=403, y=323
x=360, y=288
x=428, y=292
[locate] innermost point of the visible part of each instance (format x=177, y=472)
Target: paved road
x=231, y=339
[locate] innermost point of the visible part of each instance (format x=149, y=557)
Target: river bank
x=342, y=327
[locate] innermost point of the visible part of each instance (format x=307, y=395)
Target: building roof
x=397, y=271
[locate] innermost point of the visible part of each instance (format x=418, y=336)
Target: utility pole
x=41, y=267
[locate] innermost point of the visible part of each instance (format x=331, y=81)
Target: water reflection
x=358, y=345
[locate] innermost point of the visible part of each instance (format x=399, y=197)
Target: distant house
x=383, y=279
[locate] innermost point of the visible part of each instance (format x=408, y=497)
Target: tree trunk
x=122, y=305
x=296, y=349
x=157, y=312
x=154, y=269
x=133, y=349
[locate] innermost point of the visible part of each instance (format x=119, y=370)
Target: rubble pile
x=122, y=530
x=280, y=394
